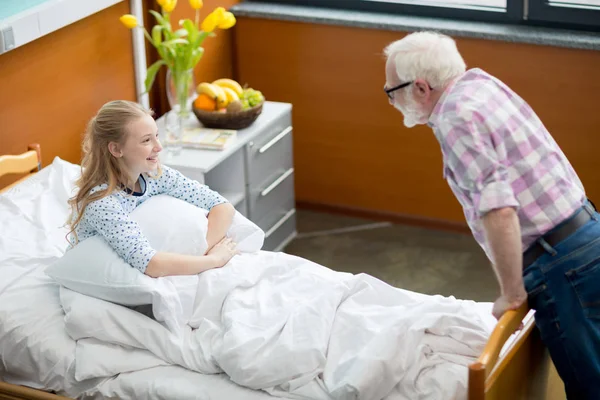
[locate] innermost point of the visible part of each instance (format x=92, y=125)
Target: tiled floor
x=409, y=257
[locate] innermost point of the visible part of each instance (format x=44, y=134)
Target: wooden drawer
x=270, y=196
x=270, y=153
x=281, y=232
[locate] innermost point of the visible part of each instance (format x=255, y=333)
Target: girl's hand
x=223, y=251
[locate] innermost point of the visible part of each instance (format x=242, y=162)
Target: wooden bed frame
x=524, y=371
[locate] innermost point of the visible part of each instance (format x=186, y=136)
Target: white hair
x=427, y=55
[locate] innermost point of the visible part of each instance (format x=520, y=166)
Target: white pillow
x=246, y=234
x=93, y=268
x=172, y=225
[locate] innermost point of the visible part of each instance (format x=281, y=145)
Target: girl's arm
x=167, y=264
x=220, y=211
x=124, y=235
x=219, y=221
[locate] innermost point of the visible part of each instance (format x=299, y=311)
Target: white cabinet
x=255, y=173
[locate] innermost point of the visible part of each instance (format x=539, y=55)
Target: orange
x=204, y=102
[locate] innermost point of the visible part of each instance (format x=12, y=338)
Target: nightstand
x=255, y=172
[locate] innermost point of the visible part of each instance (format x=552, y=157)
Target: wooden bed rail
x=524, y=371
x=14, y=392
x=22, y=163
x=507, y=325
x=26, y=163
x=480, y=371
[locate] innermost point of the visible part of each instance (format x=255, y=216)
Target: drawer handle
x=275, y=140
x=280, y=222
x=273, y=185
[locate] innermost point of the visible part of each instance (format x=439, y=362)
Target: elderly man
x=521, y=197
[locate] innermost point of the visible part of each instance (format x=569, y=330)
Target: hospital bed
x=512, y=365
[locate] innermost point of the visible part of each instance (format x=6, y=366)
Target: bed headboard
x=53, y=85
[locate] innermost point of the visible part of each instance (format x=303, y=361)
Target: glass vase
x=181, y=92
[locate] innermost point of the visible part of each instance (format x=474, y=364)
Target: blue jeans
x=564, y=288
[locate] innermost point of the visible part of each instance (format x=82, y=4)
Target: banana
x=231, y=94
x=214, y=92
x=229, y=83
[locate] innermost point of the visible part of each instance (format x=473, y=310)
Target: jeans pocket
x=540, y=299
x=585, y=281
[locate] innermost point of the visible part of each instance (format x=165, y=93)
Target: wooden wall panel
x=217, y=61
x=52, y=86
x=351, y=148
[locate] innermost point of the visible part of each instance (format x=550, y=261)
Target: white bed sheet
x=173, y=382
x=34, y=348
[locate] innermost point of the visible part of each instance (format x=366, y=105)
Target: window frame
x=513, y=12
x=544, y=13
x=517, y=12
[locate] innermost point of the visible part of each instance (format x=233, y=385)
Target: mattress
x=35, y=349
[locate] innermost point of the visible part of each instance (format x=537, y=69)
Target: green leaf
x=179, y=33
x=156, y=35
x=200, y=39
x=170, y=43
x=196, y=56
x=151, y=74
x=159, y=18
x=191, y=29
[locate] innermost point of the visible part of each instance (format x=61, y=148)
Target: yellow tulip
x=196, y=4
x=228, y=21
x=130, y=21
x=169, y=5
x=210, y=23
x=162, y=2
x=219, y=12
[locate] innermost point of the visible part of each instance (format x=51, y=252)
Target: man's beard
x=412, y=114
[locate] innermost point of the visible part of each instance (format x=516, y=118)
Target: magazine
x=206, y=138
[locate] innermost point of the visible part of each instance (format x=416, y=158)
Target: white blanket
x=295, y=329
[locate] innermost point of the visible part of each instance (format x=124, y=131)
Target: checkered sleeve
x=479, y=163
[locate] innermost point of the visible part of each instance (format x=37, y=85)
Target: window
x=577, y=14
x=454, y=3
x=577, y=3
x=581, y=13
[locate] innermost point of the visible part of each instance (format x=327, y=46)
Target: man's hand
x=505, y=303
x=503, y=234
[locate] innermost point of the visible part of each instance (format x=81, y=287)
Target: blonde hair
x=98, y=165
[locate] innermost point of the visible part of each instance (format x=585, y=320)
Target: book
x=207, y=138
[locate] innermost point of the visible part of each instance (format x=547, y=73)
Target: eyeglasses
x=392, y=90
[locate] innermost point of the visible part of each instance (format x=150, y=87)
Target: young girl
x=121, y=170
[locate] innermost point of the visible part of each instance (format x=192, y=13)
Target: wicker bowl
x=228, y=120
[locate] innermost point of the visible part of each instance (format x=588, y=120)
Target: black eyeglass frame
x=391, y=90
x=400, y=86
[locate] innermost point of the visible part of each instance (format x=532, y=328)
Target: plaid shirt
x=497, y=153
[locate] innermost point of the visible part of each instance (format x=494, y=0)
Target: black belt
x=557, y=235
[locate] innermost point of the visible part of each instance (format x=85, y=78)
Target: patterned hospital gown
x=110, y=218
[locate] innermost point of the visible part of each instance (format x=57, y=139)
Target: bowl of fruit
x=225, y=104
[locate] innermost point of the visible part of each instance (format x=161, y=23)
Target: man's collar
x=436, y=113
